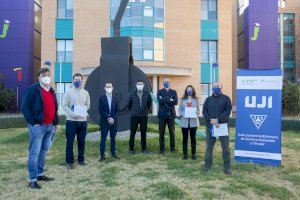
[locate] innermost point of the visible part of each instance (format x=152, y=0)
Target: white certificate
x=190, y=112
x=80, y=110
x=221, y=131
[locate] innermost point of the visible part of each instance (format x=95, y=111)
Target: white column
x=154, y=91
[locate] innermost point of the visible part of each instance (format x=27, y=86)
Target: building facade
x=288, y=39
x=20, y=43
x=182, y=40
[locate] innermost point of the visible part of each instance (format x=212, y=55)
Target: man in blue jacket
x=108, y=109
x=216, y=111
x=39, y=107
x=167, y=99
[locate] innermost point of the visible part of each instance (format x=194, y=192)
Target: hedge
x=19, y=122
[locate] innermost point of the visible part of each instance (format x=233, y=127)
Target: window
x=205, y=92
x=65, y=9
x=144, y=22
x=209, y=51
x=208, y=9
x=148, y=11
x=64, y=50
x=289, y=58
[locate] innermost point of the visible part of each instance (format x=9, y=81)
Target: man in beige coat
x=76, y=102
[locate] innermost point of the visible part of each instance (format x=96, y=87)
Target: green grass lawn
x=149, y=176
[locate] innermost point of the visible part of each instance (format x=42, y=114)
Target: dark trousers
x=135, y=121
x=162, y=129
x=75, y=128
x=185, y=136
x=210, y=142
x=104, y=132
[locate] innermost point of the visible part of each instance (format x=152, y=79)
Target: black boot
x=34, y=185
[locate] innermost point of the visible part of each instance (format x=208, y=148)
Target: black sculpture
x=116, y=66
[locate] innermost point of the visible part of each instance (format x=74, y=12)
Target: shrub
x=7, y=96
x=291, y=99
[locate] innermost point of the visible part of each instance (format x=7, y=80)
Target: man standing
x=139, y=104
x=39, y=107
x=108, y=109
x=76, y=98
x=167, y=99
x=216, y=111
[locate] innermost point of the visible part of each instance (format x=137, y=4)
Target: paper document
x=221, y=131
x=80, y=110
x=190, y=112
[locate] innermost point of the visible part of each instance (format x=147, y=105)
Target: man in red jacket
x=39, y=107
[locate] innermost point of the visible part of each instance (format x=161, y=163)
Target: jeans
x=104, y=132
x=210, y=142
x=74, y=128
x=162, y=129
x=135, y=121
x=185, y=136
x=40, y=141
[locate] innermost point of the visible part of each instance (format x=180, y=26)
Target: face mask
x=46, y=80
x=108, y=90
x=139, y=87
x=190, y=92
x=78, y=83
x=166, y=84
x=216, y=90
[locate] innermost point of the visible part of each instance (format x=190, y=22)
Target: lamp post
x=19, y=72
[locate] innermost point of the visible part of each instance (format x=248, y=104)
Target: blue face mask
x=216, y=90
x=77, y=84
x=166, y=84
x=189, y=92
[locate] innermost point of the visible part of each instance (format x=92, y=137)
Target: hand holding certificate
x=190, y=112
x=221, y=131
x=81, y=111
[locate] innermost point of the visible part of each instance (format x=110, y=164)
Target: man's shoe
x=116, y=157
x=102, y=159
x=145, y=151
x=131, y=151
x=193, y=157
x=184, y=157
x=82, y=163
x=227, y=171
x=161, y=152
x=34, y=185
x=172, y=150
x=206, y=169
x=45, y=178
x=70, y=166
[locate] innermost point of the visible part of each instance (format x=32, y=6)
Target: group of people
x=40, y=107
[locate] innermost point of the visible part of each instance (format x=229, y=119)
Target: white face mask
x=108, y=90
x=46, y=80
x=139, y=87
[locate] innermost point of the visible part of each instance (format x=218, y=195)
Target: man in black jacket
x=167, y=99
x=139, y=104
x=216, y=111
x=39, y=107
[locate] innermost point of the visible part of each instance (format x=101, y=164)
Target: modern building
x=181, y=40
x=20, y=42
x=191, y=41
x=288, y=38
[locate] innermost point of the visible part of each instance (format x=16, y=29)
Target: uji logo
x=255, y=32
x=5, y=29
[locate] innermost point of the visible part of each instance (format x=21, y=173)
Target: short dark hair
x=78, y=74
x=43, y=70
x=140, y=81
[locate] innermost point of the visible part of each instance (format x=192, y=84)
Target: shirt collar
x=45, y=88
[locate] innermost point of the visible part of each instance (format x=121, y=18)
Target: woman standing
x=189, y=123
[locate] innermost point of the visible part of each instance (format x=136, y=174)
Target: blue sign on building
x=258, y=117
